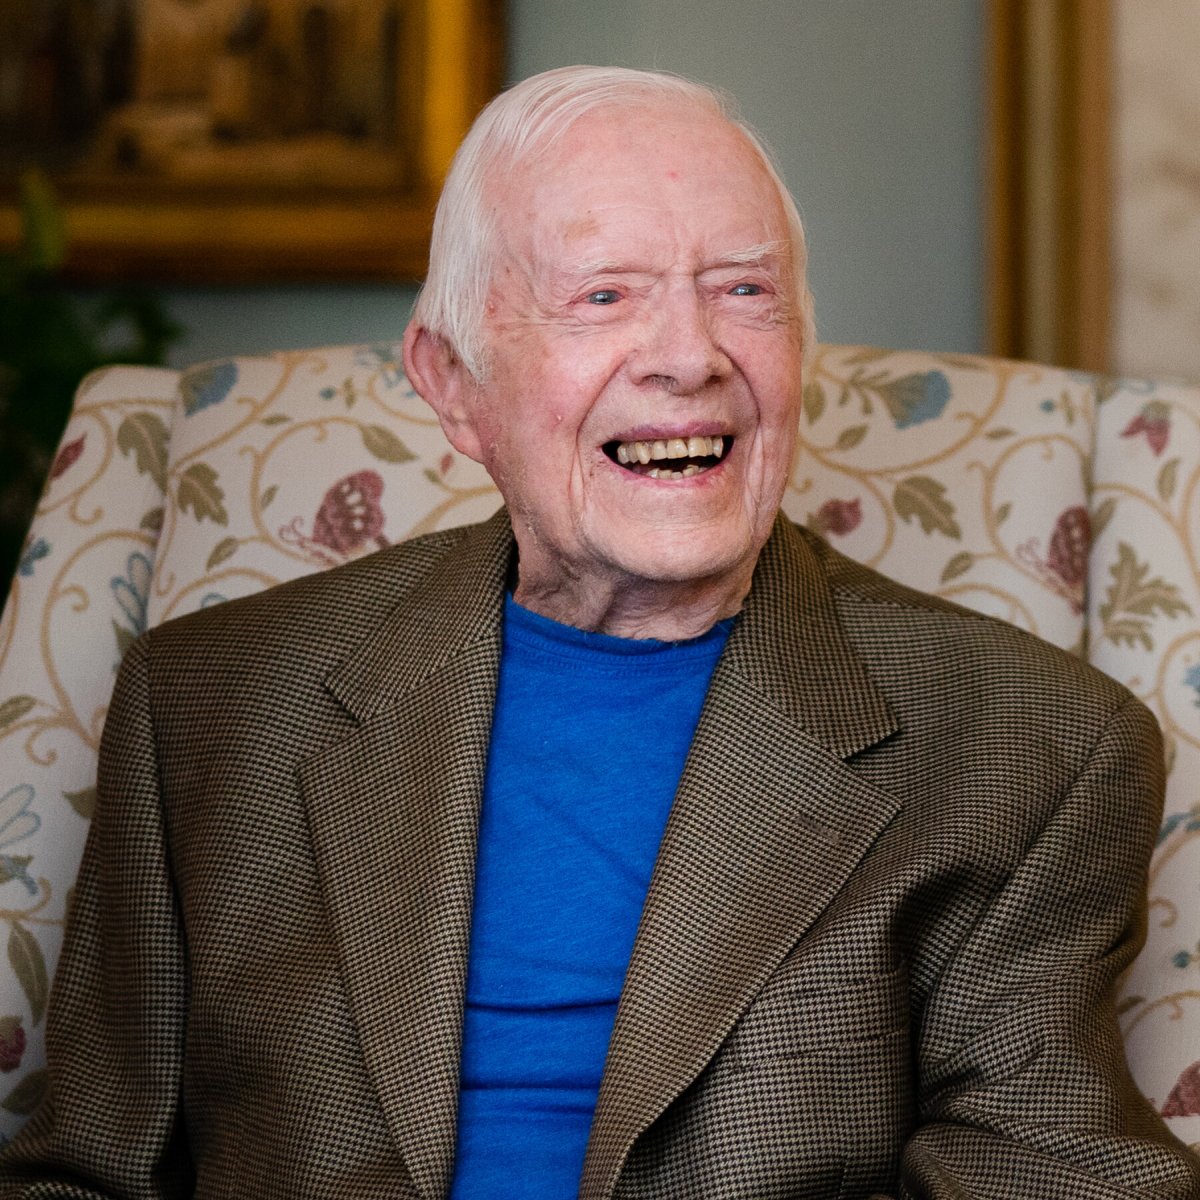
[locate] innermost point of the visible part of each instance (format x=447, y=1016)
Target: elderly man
x=632, y=843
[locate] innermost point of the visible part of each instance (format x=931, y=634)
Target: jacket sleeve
x=110, y=1125
x=1024, y=1090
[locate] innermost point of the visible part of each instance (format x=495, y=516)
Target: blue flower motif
x=132, y=591
x=1048, y=406
x=384, y=357
x=212, y=598
x=913, y=399
x=205, y=386
x=33, y=552
x=1192, y=680
x=16, y=824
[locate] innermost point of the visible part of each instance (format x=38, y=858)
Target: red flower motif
x=1155, y=422
x=350, y=514
x=67, y=456
x=446, y=463
x=838, y=517
x=1184, y=1100
x=1068, y=555
x=12, y=1044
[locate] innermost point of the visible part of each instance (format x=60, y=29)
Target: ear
x=442, y=380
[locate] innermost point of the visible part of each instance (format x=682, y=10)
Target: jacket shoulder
x=321, y=612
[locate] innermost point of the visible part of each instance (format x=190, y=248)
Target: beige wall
x=1157, y=193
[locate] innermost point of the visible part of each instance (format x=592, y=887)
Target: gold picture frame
x=244, y=141
x=1049, y=181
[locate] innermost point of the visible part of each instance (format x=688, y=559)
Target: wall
x=1156, y=290
x=874, y=110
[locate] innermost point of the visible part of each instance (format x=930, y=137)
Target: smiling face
x=642, y=394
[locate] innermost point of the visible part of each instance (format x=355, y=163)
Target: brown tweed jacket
x=904, y=865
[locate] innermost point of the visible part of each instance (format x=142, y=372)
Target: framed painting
x=242, y=140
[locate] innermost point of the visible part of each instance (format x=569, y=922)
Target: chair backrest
x=1063, y=502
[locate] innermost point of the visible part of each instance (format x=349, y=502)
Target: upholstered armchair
x=1066, y=503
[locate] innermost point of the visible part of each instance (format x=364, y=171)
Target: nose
x=680, y=353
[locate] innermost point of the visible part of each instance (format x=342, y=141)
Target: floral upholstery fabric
x=1144, y=629
x=78, y=599
x=1055, y=500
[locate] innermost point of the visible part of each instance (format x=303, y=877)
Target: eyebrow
x=750, y=256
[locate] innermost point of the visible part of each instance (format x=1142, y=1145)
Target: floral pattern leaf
x=265, y=499
x=207, y=385
x=849, y=438
x=125, y=638
x=960, y=564
x=220, y=552
x=1003, y=512
x=27, y=1095
x=200, y=493
x=13, y=866
x=14, y=708
x=276, y=419
x=144, y=435
x=83, y=802
x=924, y=498
x=29, y=965
x=814, y=401
x=385, y=445
x=152, y=521
x=68, y=456
x=1133, y=599
x=1132, y=592
x=1167, y=479
x=1101, y=516
x=999, y=432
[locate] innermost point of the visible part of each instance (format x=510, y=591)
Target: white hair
x=520, y=124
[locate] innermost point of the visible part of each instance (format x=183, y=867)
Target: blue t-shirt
x=588, y=742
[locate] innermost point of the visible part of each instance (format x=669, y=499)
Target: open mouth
x=670, y=458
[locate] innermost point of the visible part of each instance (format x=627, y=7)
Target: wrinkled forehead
x=616, y=173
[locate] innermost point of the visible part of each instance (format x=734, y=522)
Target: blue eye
x=604, y=296
x=746, y=289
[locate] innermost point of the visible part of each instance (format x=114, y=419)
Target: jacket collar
x=768, y=823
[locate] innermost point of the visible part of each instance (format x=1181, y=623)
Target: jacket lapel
x=767, y=825
x=393, y=811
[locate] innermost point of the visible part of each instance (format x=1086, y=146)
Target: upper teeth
x=693, y=447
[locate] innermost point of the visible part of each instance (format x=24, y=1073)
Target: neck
x=668, y=611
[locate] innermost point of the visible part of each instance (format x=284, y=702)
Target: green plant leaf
x=144, y=435
x=814, y=401
x=220, y=552
x=1167, y=478
x=385, y=445
x=924, y=498
x=200, y=494
x=265, y=499
x=960, y=564
x=14, y=708
x=29, y=965
x=27, y=1095
x=83, y=802
x=43, y=226
x=849, y=438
